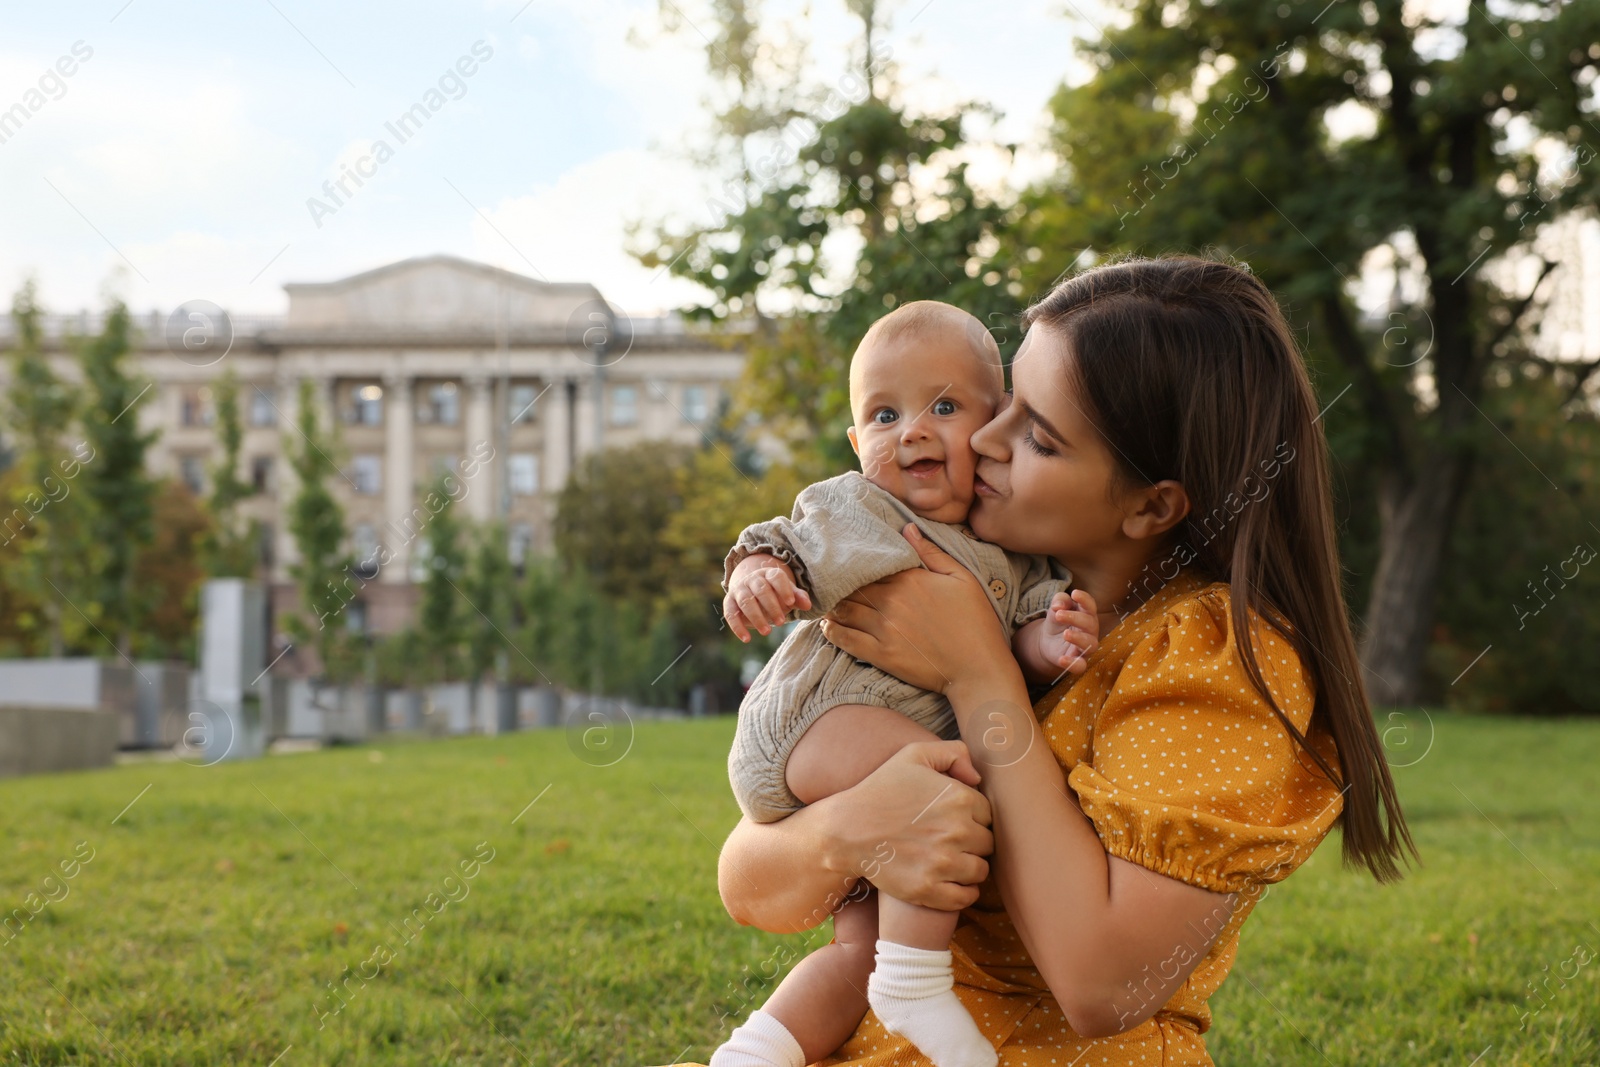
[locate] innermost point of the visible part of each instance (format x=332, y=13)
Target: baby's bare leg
x=910, y=983
x=847, y=743
x=819, y=1003
x=822, y=1000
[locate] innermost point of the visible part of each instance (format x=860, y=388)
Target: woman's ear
x=1155, y=510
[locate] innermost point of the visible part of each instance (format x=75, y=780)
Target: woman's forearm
x=1091, y=924
x=783, y=877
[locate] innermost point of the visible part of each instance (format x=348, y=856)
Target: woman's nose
x=989, y=440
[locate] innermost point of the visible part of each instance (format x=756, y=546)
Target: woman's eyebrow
x=1042, y=421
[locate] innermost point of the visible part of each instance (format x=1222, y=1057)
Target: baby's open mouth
x=924, y=468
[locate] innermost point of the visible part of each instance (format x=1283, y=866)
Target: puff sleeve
x=1190, y=774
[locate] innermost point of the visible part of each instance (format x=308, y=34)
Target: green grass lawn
x=218, y=912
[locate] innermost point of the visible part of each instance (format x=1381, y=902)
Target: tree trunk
x=1415, y=518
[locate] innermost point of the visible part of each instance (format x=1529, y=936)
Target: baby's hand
x=761, y=593
x=1071, y=631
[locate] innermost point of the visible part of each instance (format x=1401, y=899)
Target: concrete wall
x=37, y=740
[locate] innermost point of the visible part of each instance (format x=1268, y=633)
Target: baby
x=923, y=379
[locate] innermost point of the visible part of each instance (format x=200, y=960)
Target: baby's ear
x=855, y=446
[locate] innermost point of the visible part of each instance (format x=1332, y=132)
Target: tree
x=43, y=521
x=168, y=572
x=231, y=548
x=316, y=522
x=848, y=166
x=1314, y=142
x=490, y=588
x=610, y=515
x=119, y=490
x=442, y=616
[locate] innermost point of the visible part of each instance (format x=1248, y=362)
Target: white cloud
x=576, y=228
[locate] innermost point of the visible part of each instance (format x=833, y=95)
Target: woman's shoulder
x=1188, y=634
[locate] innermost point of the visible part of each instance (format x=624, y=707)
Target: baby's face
x=916, y=401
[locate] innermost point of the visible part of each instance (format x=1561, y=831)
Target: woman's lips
x=925, y=468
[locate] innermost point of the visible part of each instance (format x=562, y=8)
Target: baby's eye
x=885, y=416
x=944, y=407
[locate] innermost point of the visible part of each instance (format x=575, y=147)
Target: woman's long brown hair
x=1190, y=372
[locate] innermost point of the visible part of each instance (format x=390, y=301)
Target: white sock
x=761, y=1042
x=912, y=991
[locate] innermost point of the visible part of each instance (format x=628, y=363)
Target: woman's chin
x=982, y=519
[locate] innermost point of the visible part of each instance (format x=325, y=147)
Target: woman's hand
x=910, y=828
x=931, y=628
x=917, y=828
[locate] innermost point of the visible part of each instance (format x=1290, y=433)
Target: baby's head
x=923, y=379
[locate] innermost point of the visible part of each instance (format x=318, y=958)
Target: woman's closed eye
x=1032, y=442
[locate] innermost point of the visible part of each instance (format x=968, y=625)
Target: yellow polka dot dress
x=1183, y=769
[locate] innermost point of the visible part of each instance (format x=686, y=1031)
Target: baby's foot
x=912, y=991
x=762, y=1041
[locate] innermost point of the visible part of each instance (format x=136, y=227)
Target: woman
x=1161, y=444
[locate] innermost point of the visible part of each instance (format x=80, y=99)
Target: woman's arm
x=914, y=832
x=1111, y=939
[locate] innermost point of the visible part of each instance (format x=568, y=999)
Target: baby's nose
x=913, y=429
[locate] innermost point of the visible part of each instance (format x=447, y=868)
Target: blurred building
x=430, y=366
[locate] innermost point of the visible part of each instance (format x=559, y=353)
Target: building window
x=261, y=473
x=624, y=405
x=263, y=406
x=364, y=546
x=195, y=407
x=355, y=616
x=421, y=559
x=366, y=405
x=524, y=473
x=441, y=403
x=192, y=469
x=519, y=403
x=366, y=473
x=265, y=548
x=696, y=408
x=519, y=544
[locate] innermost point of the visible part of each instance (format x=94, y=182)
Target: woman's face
x=1045, y=474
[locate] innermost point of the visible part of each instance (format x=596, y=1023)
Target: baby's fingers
x=770, y=610
x=734, y=618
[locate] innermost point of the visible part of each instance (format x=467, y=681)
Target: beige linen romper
x=844, y=533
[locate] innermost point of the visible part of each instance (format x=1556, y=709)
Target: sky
x=186, y=154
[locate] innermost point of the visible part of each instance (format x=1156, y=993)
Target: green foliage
x=595, y=935
x=490, y=600
x=231, y=550
x=1205, y=127
x=442, y=617
x=168, y=573
x=316, y=522
x=45, y=522
x=815, y=165
x=578, y=637
x=1526, y=590
x=611, y=513
x=118, y=486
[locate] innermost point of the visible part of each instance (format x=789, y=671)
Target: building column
x=285, y=484
x=557, y=418
x=590, y=409
x=399, y=480
x=481, y=492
